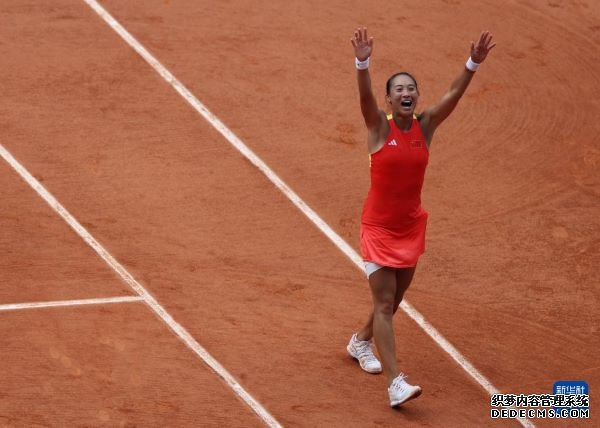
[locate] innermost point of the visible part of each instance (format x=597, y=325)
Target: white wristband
x=362, y=65
x=471, y=66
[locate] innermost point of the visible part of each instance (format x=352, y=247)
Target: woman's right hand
x=363, y=45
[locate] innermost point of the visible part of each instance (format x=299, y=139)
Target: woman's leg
x=403, y=280
x=383, y=289
x=388, y=286
x=366, y=333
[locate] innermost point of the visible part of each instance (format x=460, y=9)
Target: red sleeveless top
x=397, y=173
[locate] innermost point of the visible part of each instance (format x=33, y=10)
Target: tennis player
x=392, y=235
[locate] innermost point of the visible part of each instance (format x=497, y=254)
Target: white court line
x=140, y=290
x=57, y=303
x=296, y=200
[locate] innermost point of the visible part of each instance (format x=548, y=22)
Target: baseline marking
x=291, y=195
x=177, y=328
x=80, y=302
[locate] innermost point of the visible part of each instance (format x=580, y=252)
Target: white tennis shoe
x=401, y=391
x=362, y=351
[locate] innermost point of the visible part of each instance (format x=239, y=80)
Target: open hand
x=484, y=45
x=363, y=45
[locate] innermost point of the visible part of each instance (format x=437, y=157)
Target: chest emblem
x=416, y=144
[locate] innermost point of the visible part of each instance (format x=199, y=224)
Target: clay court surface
x=510, y=276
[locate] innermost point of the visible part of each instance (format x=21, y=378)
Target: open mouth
x=406, y=103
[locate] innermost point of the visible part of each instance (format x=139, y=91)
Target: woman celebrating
x=392, y=235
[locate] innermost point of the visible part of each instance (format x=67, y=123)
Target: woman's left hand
x=480, y=50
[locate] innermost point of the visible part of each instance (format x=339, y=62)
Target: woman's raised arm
x=363, y=48
x=435, y=115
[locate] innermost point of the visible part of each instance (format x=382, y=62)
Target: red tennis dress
x=393, y=221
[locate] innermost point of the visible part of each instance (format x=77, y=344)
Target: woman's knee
x=383, y=288
x=384, y=308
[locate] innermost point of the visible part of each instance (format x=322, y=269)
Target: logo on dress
x=392, y=143
x=416, y=144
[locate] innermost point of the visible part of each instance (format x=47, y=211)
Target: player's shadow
x=412, y=412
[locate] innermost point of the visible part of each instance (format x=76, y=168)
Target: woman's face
x=403, y=95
